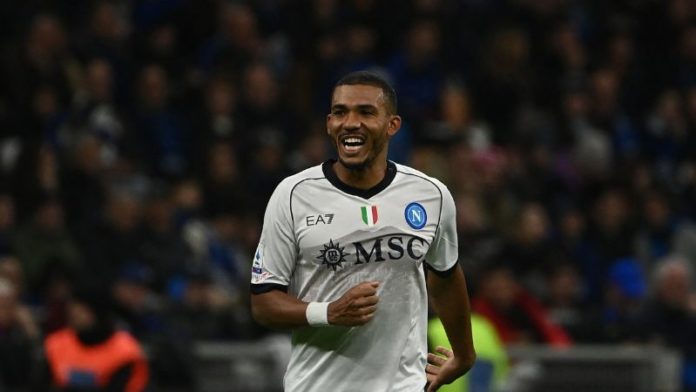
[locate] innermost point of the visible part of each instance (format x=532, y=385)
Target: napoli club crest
x=415, y=215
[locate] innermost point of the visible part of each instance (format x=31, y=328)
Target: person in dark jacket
x=19, y=339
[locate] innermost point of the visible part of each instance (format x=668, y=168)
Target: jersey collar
x=327, y=168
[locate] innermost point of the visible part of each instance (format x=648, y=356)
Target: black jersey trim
x=442, y=274
x=327, y=168
x=267, y=287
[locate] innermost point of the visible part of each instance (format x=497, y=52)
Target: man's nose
x=352, y=121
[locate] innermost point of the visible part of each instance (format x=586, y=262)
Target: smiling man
x=342, y=254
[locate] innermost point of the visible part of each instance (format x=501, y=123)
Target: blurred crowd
x=140, y=141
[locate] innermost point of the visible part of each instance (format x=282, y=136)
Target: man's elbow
x=469, y=360
x=260, y=315
x=466, y=361
x=265, y=316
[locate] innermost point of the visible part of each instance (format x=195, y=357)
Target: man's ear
x=394, y=125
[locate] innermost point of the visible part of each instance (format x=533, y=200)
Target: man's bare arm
x=278, y=309
x=450, y=299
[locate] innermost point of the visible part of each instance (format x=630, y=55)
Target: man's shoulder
x=314, y=172
x=417, y=174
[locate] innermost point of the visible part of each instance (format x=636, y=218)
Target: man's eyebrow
x=359, y=106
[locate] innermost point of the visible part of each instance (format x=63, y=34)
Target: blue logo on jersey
x=415, y=214
x=257, y=265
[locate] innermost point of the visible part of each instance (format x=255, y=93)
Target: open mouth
x=352, y=143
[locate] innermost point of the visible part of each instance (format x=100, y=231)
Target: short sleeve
x=274, y=259
x=444, y=251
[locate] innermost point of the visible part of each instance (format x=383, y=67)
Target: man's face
x=360, y=125
x=80, y=316
x=8, y=308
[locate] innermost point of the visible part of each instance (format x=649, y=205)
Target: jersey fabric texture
x=321, y=237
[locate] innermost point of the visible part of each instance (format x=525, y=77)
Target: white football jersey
x=321, y=237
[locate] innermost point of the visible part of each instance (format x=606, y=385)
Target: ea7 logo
x=323, y=219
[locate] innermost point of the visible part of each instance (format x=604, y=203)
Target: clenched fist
x=356, y=307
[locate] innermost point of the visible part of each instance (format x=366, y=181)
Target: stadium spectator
x=479, y=240
x=11, y=269
x=624, y=294
x=218, y=122
x=205, y=312
x=237, y=41
x=222, y=182
x=7, y=223
x=663, y=232
x=36, y=175
x=668, y=316
x=456, y=120
x=38, y=74
x=313, y=150
x=566, y=302
x=570, y=240
x=90, y=354
x=140, y=309
x=163, y=136
x=82, y=181
x=19, y=340
x=163, y=248
x=665, y=139
x=418, y=75
x=266, y=117
x=95, y=112
x=505, y=83
x=117, y=237
x=610, y=237
x=219, y=247
x=44, y=243
x=104, y=44
x=529, y=248
x=517, y=315
x=146, y=315
x=53, y=297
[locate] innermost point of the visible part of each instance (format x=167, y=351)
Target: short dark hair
x=370, y=79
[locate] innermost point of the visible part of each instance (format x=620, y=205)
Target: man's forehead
x=358, y=94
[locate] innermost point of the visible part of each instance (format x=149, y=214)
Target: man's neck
x=364, y=178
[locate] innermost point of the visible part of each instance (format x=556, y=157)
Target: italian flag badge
x=369, y=215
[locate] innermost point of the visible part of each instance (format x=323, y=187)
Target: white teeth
x=353, y=141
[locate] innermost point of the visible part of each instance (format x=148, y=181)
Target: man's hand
x=445, y=368
x=356, y=307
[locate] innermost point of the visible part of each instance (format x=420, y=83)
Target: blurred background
x=140, y=141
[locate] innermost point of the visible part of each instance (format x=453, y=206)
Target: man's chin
x=354, y=164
